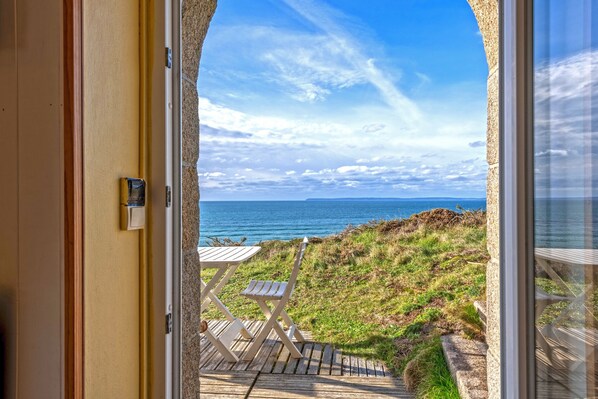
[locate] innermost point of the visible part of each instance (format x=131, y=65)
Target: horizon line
x=345, y=199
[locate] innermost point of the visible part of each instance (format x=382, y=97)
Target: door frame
x=516, y=200
x=160, y=166
x=156, y=377
x=72, y=29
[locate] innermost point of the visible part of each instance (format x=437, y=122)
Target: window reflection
x=566, y=197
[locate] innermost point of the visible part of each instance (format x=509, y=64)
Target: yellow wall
x=111, y=151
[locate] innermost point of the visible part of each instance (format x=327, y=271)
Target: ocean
x=566, y=223
x=285, y=220
x=559, y=222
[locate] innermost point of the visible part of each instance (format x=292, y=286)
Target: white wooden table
x=584, y=260
x=226, y=260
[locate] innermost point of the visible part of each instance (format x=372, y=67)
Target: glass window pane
x=566, y=197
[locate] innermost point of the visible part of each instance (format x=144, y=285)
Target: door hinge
x=168, y=57
x=168, y=196
x=168, y=323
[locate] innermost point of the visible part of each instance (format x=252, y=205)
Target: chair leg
x=295, y=353
x=259, y=339
x=289, y=323
x=286, y=340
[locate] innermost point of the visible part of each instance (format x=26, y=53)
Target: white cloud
x=476, y=144
x=558, y=153
x=348, y=169
x=213, y=174
x=373, y=127
x=565, y=125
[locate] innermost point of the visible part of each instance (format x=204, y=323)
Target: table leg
x=207, y=288
x=223, y=281
x=209, y=293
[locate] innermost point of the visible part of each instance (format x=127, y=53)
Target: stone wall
x=196, y=16
x=486, y=12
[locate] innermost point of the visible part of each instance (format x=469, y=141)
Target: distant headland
x=393, y=199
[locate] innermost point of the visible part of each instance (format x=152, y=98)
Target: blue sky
x=342, y=98
x=566, y=89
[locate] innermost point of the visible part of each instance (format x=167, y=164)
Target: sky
x=342, y=98
x=566, y=93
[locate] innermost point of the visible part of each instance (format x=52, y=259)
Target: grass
x=386, y=290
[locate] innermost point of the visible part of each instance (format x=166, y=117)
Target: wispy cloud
x=373, y=127
x=281, y=153
x=565, y=126
x=323, y=17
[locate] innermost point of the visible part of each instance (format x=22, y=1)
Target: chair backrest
x=296, y=266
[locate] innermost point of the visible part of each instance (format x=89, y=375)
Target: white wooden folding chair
x=278, y=293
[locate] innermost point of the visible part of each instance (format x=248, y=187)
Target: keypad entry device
x=132, y=203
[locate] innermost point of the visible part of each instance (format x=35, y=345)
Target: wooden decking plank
x=316, y=358
x=387, y=373
x=346, y=365
x=354, y=366
x=374, y=367
x=264, y=352
x=291, y=394
x=282, y=360
x=336, y=367
x=329, y=386
x=362, y=367
x=292, y=362
x=269, y=365
x=370, y=368
x=273, y=380
x=223, y=377
x=218, y=385
x=379, y=369
x=304, y=361
x=303, y=386
x=326, y=363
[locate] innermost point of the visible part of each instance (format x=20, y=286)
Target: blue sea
x=566, y=223
x=559, y=222
x=284, y=220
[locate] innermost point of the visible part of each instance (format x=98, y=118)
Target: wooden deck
x=565, y=373
x=273, y=357
x=323, y=372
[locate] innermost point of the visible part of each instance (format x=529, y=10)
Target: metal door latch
x=168, y=196
x=168, y=323
x=168, y=57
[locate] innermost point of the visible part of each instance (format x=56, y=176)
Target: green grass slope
x=386, y=290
